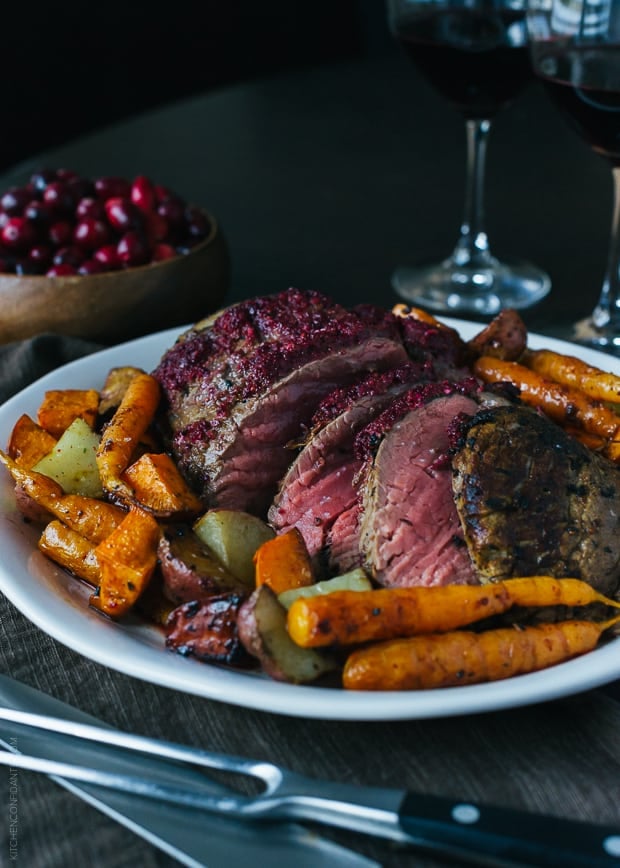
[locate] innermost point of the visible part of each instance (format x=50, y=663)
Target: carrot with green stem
x=464, y=657
x=354, y=617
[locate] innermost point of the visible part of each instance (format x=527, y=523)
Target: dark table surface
x=326, y=180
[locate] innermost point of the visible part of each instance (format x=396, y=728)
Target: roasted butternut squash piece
x=284, y=563
x=61, y=407
x=158, y=485
x=29, y=442
x=127, y=560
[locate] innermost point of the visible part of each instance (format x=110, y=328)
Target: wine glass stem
x=606, y=314
x=472, y=248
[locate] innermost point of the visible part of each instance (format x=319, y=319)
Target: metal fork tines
x=474, y=833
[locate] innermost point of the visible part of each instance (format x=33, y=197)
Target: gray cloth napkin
x=22, y=362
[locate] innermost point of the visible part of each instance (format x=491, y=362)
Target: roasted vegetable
x=92, y=518
x=261, y=624
x=573, y=372
x=564, y=404
x=115, y=386
x=351, y=618
x=208, y=631
x=284, y=563
x=61, y=407
x=464, y=657
x=234, y=537
x=70, y=550
x=29, y=442
x=505, y=337
x=122, y=435
x=127, y=560
x=72, y=461
x=190, y=569
x=356, y=580
x=158, y=486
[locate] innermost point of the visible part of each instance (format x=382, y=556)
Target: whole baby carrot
x=464, y=657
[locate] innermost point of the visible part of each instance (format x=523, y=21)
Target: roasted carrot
x=70, y=550
x=353, y=617
x=404, y=310
x=121, y=436
x=574, y=372
x=60, y=407
x=464, y=657
x=283, y=562
x=92, y=518
x=532, y=591
x=29, y=442
x=563, y=404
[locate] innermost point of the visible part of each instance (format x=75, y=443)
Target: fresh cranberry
x=143, y=193
x=40, y=253
x=112, y=187
x=60, y=232
x=64, y=220
x=41, y=178
x=59, y=197
x=60, y=270
x=80, y=188
x=163, y=251
x=173, y=212
x=15, y=200
x=108, y=256
x=68, y=256
x=133, y=249
x=156, y=227
x=91, y=233
x=66, y=174
x=90, y=207
x=198, y=224
x=122, y=214
x=18, y=233
x=91, y=266
x=37, y=212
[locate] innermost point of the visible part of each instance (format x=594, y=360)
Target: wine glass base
x=450, y=288
x=585, y=333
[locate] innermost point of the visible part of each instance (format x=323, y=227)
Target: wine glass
x=474, y=53
x=575, y=49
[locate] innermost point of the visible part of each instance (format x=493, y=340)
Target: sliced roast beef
x=532, y=500
x=409, y=531
x=241, y=465
x=320, y=484
x=240, y=390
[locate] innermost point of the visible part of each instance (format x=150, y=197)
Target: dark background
x=69, y=70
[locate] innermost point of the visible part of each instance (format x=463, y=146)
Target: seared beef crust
x=533, y=501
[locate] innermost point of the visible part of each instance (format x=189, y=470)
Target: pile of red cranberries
x=60, y=223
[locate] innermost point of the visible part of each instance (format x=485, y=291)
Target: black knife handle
x=486, y=835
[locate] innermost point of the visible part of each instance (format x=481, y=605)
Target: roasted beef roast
x=534, y=501
x=238, y=390
x=365, y=430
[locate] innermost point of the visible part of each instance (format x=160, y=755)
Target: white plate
x=57, y=604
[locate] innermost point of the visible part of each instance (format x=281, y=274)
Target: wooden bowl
x=118, y=305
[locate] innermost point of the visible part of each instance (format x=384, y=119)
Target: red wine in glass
x=476, y=57
x=468, y=57
x=593, y=110
x=577, y=58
